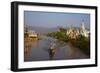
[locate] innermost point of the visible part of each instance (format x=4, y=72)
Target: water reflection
x=27, y=45
x=52, y=50
x=48, y=48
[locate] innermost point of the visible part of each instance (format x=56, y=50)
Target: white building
x=74, y=32
x=33, y=34
x=83, y=31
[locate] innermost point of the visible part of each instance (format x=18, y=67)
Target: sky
x=55, y=19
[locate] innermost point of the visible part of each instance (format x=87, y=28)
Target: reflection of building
x=74, y=32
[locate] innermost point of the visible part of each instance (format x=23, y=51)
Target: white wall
x=5, y=17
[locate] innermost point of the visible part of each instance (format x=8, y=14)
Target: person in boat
x=52, y=50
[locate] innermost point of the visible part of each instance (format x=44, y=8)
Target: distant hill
x=43, y=30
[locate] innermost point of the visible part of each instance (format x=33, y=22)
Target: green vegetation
x=58, y=35
x=80, y=42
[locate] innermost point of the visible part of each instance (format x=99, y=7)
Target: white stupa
x=83, y=31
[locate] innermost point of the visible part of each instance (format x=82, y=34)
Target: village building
x=33, y=34
x=30, y=33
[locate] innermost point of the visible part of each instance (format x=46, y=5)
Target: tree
x=26, y=34
x=62, y=29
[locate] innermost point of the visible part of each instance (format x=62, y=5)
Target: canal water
x=39, y=51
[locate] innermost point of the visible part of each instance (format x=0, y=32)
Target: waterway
x=39, y=51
